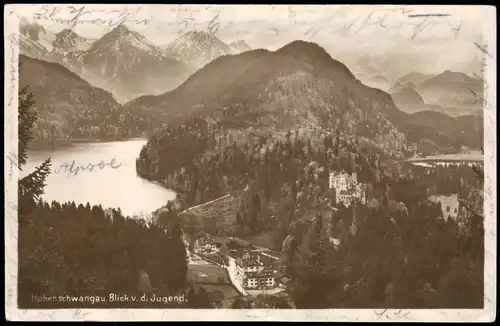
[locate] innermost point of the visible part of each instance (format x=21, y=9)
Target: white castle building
x=347, y=188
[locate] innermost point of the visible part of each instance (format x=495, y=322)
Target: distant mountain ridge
x=453, y=93
x=414, y=77
x=298, y=86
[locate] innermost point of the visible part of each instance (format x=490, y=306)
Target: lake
x=100, y=173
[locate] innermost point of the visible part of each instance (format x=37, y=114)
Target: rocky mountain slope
x=127, y=63
x=67, y=42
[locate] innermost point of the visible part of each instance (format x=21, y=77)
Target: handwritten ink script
x=73, y=169
x=406, y=20
x=398, y=314
x=13, y=163
x=13, y=46
x=480, y=96
x=211, y=26
x=80, y=314
x=73, y=15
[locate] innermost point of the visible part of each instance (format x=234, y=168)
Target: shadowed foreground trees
x=83, y=251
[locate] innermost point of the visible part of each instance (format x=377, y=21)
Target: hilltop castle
x=347, y=188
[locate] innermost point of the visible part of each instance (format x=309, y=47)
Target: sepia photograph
x=250, y=162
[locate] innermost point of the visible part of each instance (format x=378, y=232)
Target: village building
x=252, y=273
x=347, y=188
x=205, y=245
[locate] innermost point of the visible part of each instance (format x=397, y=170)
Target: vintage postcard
x=250, y=162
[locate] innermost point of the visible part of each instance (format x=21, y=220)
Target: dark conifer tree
x=31, y=186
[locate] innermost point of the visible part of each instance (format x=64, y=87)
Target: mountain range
x=414, y=77
x=453, y=90
x=127, y=63
x=452, y=93
x=123, y=61
x=298, y=86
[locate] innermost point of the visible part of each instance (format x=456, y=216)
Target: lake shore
x=85, y=140
x=57, y=144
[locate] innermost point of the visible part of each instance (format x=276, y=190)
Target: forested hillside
x=69, y=107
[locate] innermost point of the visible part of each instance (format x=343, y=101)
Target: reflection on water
x=108, y=186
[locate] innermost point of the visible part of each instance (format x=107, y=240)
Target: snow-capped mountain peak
x=197, y=48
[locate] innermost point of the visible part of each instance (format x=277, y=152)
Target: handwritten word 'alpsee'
x=73, y=15
x=73, y=169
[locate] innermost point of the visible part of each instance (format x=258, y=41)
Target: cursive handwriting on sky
x=407, y=21
x=81, y=14
x=261, y=21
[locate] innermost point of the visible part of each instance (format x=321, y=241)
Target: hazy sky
x=396, y=38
